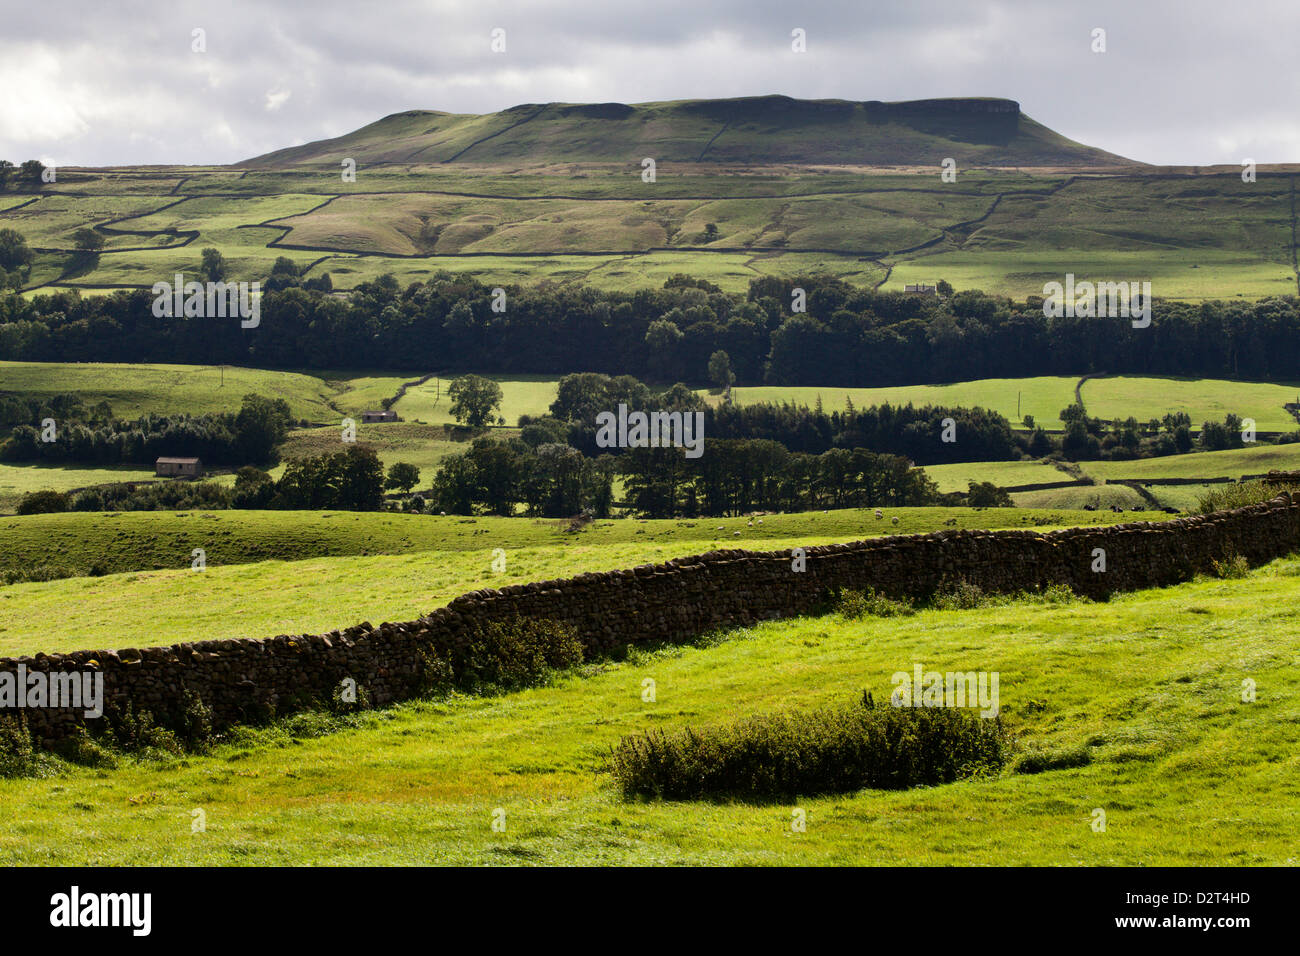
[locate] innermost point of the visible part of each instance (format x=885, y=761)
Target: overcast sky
x=1181, y=81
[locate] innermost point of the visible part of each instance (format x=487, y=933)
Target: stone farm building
x=384, y=416
x=178, y=467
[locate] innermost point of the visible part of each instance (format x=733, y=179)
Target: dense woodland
x=847, y=336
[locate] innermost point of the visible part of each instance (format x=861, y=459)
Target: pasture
x=430, y=404
x=135, y=390
x=1195, y=236
x=289, y=572
x=1148, y=684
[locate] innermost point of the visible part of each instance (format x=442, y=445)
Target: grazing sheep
x=879, y=514
x=895, y=520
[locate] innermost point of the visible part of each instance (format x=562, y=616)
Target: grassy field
x=591, y=219
x=1004, y=474
x=1098, y=496
x=1150, y=684
x=384, y=567
x=521, y=395
x=19, y=478
x=134, y=390
x=1123, y=396
x=424, y=446
x=1043, y=396
x=1231, y=463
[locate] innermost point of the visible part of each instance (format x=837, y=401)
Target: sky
x=1181, y=82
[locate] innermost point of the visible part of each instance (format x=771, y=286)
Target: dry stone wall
x=249, y=680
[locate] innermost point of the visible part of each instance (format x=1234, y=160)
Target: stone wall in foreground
x=248, y=680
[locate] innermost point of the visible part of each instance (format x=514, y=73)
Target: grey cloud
x=1189, y=82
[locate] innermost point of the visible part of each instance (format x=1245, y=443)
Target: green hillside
x=1148, y=685
x=454, y=555
x=754, y=129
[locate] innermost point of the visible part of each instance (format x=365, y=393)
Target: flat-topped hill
x=744, y=130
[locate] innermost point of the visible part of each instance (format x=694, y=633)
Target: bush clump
x=504, y=655
x=831, y=750
x=1240, y=494
x=1232, y=566
x=19, y=755
x=960, y=596
x=1040, y=761
x=853, y=605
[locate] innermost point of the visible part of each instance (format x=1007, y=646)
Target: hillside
x=1148, y=686
x=742, y=130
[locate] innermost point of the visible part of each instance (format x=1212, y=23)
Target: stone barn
x=178, y=467
x=384, y=416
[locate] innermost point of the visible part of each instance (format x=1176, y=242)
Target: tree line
x=348, y=480
x=847, y=336
x=72, y=433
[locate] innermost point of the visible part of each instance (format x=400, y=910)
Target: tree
x=402, y=476
x=213, y=267
x=262, y=423
x=361, y=480
x=985, y=494
x=284, y=275
x=14, y=253
x=1028, y=422
x=944, y=288
x=31, y=170
x=254, y=488
x=6, y=171
x=711, y=230
x=474, y=399
x=720, y=373
x=42, y=502
x=88, y=240
x=662, y=338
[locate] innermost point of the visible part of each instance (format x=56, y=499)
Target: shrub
x=1232, y=566
x=80, y=748
x=19, y=755
x=959, y=596
x=37, y=572
x=1057, y=594
x=1240, y=494
x=832, y=750
x=194, y=728
x=42, y=502
x=853, y=605
x=136, y=731
x=1039, y=761
x=502, y=655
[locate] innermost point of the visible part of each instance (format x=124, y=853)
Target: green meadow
x=1043, y=396
x=1200, y=235
x=286, y=572
x=1119, y=397
x=1149, y=685
x=430, y=404
x=135, y=390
